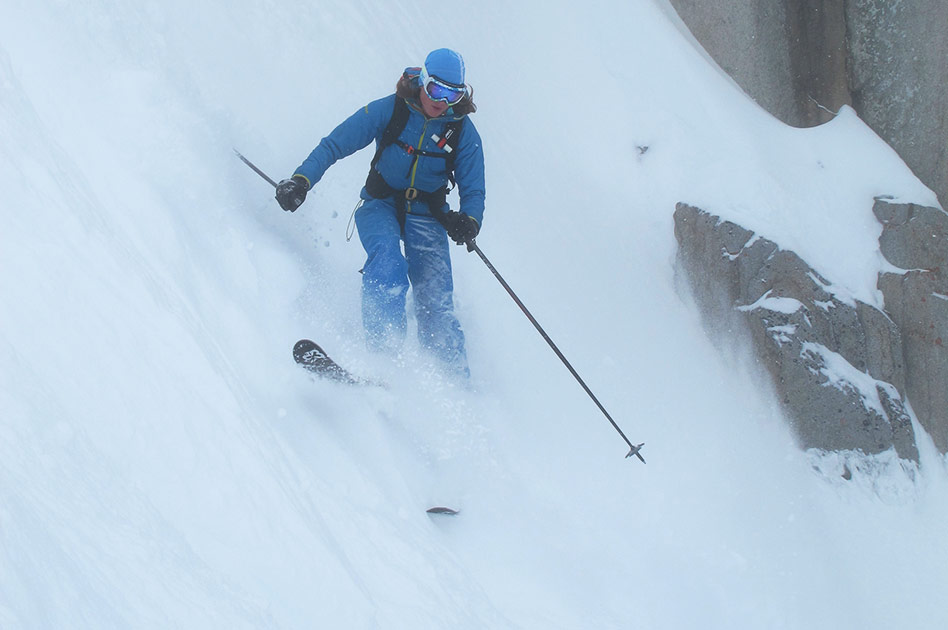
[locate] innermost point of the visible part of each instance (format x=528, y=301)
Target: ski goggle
x=438, y=90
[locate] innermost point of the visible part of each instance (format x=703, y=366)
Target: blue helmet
x=445, y=64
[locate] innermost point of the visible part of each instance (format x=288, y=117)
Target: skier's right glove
x=291, y=193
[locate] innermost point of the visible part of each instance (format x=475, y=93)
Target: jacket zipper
x=414, y=168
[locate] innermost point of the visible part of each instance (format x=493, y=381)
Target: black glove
x=460, y=227
x=290, y=193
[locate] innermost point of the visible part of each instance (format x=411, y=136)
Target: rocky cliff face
x=804, y=59
x=843, y=370
x=915, y=241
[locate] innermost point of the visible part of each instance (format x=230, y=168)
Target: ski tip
x=445, y=511
x=304, y=347
x=311, y=356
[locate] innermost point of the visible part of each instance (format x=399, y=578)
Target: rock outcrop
x=803, y=60
x=842, y=369
x=915, y=241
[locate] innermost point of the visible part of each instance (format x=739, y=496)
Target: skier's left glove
x=290, y=193
x=460, y=227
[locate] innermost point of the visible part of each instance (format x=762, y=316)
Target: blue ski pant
x=387, y=275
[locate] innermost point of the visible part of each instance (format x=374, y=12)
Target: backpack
x=376, y=185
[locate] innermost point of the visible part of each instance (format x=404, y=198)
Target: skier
x=425, y=143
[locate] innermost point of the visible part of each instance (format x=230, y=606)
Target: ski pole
x=635, y=449
x=255, y=169
x=472, y=247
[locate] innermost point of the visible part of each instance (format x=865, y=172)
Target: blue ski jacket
x=397, y=166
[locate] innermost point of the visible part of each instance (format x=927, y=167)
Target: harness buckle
x=411, y=194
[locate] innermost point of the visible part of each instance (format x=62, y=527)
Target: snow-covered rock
x=802, y=61
x=836, y=362
x=915, y=242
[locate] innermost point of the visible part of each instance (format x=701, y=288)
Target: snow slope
x=164, y=464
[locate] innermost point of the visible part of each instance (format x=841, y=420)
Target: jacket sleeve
x=469, y=173
x=352, y=134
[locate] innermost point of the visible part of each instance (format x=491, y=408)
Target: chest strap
x=378, y=188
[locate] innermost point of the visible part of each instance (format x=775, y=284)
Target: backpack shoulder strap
x=396, y=125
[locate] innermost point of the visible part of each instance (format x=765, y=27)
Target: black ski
x=308, y=354
x=446, y=511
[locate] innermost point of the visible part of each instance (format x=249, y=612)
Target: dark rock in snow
x=915, y=240
x=837, y=366
x=802, y=61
